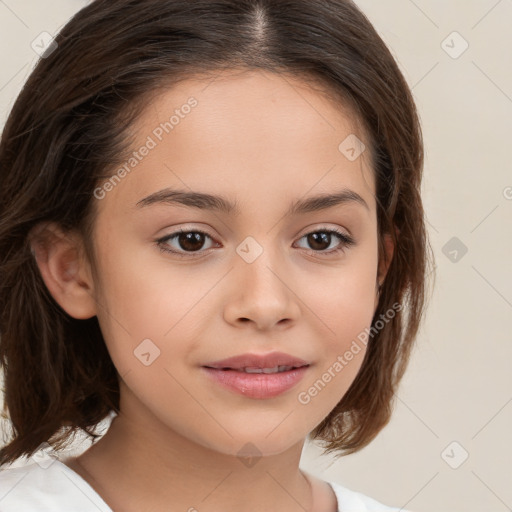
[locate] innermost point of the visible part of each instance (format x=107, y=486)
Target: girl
x=211, y=228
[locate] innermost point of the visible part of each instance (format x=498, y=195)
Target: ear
x=65, y=272
x=384, y=262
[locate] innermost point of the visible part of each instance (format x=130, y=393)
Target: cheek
x=343, y=298
x=345, y=306
x=148, y=298
x=343, y=352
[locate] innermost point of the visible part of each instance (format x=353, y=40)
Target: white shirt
x=49, y=485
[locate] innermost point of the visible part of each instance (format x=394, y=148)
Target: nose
x=261, y=293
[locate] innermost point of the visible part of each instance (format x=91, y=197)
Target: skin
x=264, y=141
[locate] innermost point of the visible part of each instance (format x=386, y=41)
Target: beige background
x=458, y=386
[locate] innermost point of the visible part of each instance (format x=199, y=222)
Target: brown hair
x=70, y=125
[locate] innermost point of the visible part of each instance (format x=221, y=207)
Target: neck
x=138, y=464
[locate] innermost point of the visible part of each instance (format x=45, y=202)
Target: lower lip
x=257, y=385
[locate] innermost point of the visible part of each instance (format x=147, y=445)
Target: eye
x=321, y=239
x=189, y=243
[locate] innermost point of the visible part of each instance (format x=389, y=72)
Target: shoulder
x=352, y=501
x=33, y=486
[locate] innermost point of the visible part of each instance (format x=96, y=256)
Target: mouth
x=256, y=375
x=257, y=369
x=258, y=383
x=273, y=362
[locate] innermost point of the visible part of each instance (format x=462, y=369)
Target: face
x=185, y=283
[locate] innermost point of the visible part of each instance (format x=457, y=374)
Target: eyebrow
x=204, y=201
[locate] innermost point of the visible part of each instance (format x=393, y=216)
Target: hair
x=70, y=126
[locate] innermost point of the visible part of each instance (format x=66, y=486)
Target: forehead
x=254, y=134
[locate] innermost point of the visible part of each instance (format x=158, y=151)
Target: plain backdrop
x=447, y=447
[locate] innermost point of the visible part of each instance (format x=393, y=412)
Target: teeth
x=276, y=369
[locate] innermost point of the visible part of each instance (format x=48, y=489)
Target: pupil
x=191, y=241
x=324, y=239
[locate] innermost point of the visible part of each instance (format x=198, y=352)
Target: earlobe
x=66, y=275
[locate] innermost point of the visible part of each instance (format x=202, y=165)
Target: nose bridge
x=259, y=262
x=261, y=292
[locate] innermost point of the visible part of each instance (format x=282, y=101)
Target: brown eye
x=191, y=242
x=320, y=240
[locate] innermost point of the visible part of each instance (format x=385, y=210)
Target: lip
x=257, y=385
x=227, y=372
x=269, y=360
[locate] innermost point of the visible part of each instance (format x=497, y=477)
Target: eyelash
x=345, y=242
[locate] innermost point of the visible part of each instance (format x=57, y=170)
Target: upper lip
x=270, y=360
